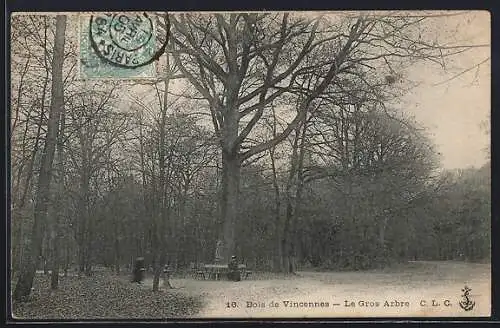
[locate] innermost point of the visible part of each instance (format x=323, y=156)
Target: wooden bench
x=216, y=271
x=197, y=271
x=200, y=273
x=246, y=274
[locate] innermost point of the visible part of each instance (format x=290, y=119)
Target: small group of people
x=233, y=272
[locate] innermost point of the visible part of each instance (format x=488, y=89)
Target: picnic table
x=216, y=270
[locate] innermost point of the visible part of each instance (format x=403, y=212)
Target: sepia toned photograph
x=236, y=165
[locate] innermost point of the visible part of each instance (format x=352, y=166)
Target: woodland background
x=304, y=165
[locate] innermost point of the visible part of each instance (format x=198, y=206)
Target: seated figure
x=234, y=272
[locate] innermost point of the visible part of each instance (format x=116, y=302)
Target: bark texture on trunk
x=230, y=200
x=54, y=278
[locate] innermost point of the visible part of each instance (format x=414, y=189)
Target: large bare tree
x=242, y=63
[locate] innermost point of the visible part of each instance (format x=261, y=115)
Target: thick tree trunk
x=231, y=170
x=25, y=282
x=157, y=271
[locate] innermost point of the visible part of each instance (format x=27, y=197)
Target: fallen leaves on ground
x=103, y=296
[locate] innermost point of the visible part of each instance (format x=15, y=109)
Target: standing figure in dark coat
x=234, y=272
x=138, y=273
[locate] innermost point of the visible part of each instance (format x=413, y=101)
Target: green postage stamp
x=118, y=45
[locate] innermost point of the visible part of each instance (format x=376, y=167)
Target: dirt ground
x=432, y=289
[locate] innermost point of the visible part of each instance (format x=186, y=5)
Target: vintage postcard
x=250, y=165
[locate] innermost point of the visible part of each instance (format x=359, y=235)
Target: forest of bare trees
x=272, y=132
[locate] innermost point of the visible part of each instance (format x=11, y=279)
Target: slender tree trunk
x=31, y=164
x=55, y=237
x=156, y=278
x=21, y=245
x=117, y=253
x=288, y=235
x=66, y=257
x=156, y=268
x=285, y=241
x=277, y=267
x=89, y=226
x=298, y=197
x=146, y=200
x=25, y=282
x=162, y=198
x=81, y=259
x=88, y=253
x=83, y=222
x=290, y=207
x=294, y=191
x=46, y=251
x=59, y=206
x=278, y=252
x=382, y=228
x=159, y=255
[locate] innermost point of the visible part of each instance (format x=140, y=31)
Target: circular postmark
x=131, y=33
x=126, y=40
